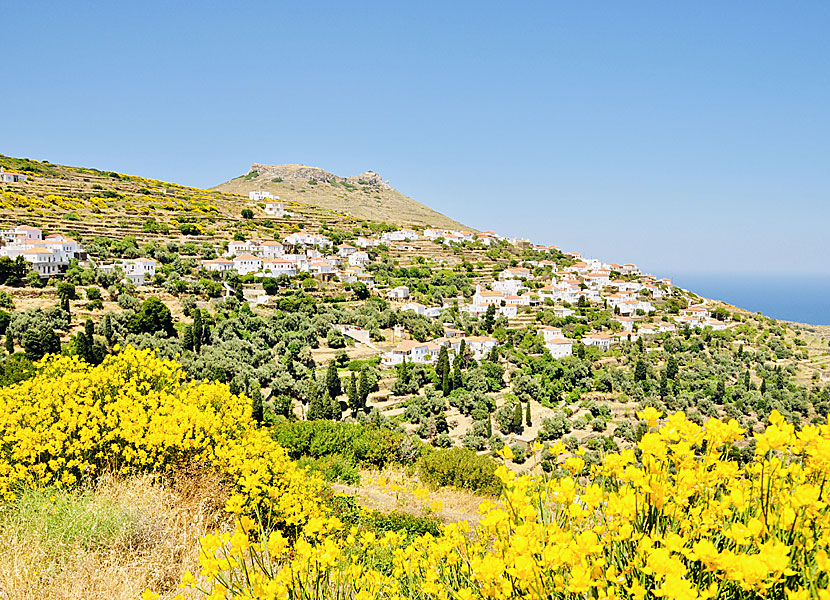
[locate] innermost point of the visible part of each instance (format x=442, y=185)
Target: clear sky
x=683, y=136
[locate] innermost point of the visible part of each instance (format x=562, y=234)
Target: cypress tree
x=108, y=333
x=352, y=394
x=82, y=347
x=489, y=427
x=457, y=381
x=516, y=425
x=9, y=343
x=326, y=405
x=333, y=380
x=528, y=420
x=490, y=318
x=197, y=330
x=671, y=367
x=442, y=367
x=640, y=370
x=364, y=390
x=336, y=412
x=462, y=352
x=747, y=380
x=763, y=386
x=315, y=406
x=664, y=384
x=187, y=337
x=89, y=329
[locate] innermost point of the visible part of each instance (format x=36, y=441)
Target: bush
x=367, y=446
x=461, y=468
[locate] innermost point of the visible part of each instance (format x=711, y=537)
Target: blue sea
x=780, y=296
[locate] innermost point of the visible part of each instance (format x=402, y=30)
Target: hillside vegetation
x=219, y=433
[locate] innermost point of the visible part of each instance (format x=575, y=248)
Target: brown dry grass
x=166, y=521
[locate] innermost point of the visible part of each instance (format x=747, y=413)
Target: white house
x=278, y=266
x=602, y=340
x=22, y=233
x=140, y=271
x=220, y=265
x=480, y=345
x=260, y=195
x=560, y=347
x=271, y=249
x=6, y=177
x=359, y=259
x=236, y=248
x=484, y=297
x=247, y=263
x=508, y=311
x=508, y=286
x=416, y=307
x=41, y=260
x=275, y=208
x=399, y=235
x=346, y=250
x=515, y=273
x=398, y=293
x=304, y=238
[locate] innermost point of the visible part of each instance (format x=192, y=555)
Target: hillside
x=398, y=366
x=364, y=196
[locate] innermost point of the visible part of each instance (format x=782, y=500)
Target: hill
x=364, y=196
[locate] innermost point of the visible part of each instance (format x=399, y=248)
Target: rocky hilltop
x=304, y=173
x=365, y=196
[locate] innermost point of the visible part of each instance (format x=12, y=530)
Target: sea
x=801, y=298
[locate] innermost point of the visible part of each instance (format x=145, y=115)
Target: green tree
x=640, y=370
x=247, y=213
x=108, y=332
x=197, y=330
x=66, y=292
x=489, y=318
x=9, y=343
x=353, y=394
x=154, y=317
x=671, y=367
x=516, y=425
x=364, y=388
x=528, y=420
x=442, y=368
x=40, y=341
x=315, y=404
x=187, y=337
x=333, y=385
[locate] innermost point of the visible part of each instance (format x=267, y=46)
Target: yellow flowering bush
x=677, y=519
x=136, y=412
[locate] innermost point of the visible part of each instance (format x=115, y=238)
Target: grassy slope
x=365, y=202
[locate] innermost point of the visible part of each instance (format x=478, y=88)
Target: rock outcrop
x=304, y=173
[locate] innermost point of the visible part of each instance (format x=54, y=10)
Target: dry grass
x=394, y=488
x=144, y=533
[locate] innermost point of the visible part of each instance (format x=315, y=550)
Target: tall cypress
x=352, y=394
x=9, y=343
x=363, y=389
x=517, y=418
x=315, y=406
x=528, y=420
x=197, y=330
x=443, y=369
x=333, y=384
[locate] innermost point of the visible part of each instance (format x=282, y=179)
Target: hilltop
x=365, y=196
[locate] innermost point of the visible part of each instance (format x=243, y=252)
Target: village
x=553, y=280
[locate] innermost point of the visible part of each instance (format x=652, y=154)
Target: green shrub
x=461, y=468
x=365, y=445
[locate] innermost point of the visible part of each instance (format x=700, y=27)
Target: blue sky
x=684, y=136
